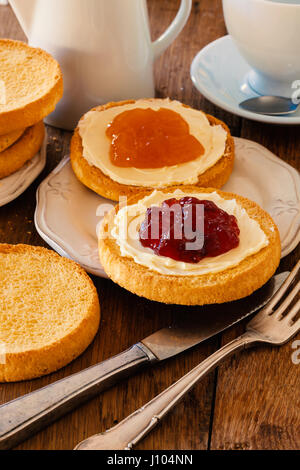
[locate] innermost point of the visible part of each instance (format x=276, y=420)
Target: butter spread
x=125, y=231
x=96, y=146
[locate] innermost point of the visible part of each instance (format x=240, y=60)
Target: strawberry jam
x=189, y=230
x=144, y=138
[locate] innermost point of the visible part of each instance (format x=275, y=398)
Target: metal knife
x=21, y=418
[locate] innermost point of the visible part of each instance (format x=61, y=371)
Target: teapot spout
x=24, y=11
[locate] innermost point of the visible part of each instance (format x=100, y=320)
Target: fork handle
x=135, y=427
x=21, y=418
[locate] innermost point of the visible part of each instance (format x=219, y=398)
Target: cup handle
x=161, y=44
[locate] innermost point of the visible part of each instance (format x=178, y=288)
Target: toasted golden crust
x=9, y=139
x=231, y=284
x=49, y=312
x=32, y=85
x=92, y=177
x=13, y=158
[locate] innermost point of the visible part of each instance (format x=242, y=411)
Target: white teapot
x=103, y=46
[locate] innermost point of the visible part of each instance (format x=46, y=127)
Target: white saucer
x=220, y=73
x=66, y=214
x=14, y=185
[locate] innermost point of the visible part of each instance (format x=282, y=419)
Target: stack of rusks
x=31, y=85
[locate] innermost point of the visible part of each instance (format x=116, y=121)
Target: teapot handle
x=174, y=29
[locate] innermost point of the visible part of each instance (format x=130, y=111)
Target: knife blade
x=21, y=418
x=209, y=321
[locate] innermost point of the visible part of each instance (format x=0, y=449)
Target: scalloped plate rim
x=31, y=170
x=289, y=246
x=55, y=242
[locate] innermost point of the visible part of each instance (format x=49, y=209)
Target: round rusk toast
x=95, y=179
x=49, y=312
x=31, y=85
x=9, y=139
x=212, y=288
x=15, y=156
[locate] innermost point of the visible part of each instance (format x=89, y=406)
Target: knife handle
x=135, y=427
x=21, y=418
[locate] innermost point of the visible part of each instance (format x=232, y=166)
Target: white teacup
x=267, y=34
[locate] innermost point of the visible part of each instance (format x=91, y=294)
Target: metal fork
x=270, y=326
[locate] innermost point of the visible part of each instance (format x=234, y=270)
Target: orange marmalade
x=144, y=138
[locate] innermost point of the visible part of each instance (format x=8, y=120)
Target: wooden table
x=252, y=401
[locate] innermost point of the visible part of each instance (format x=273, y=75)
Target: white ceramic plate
x=66, y=214
x=220, y=73
x=14, y=185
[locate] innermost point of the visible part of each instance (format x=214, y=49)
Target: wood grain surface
x=252, y=401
